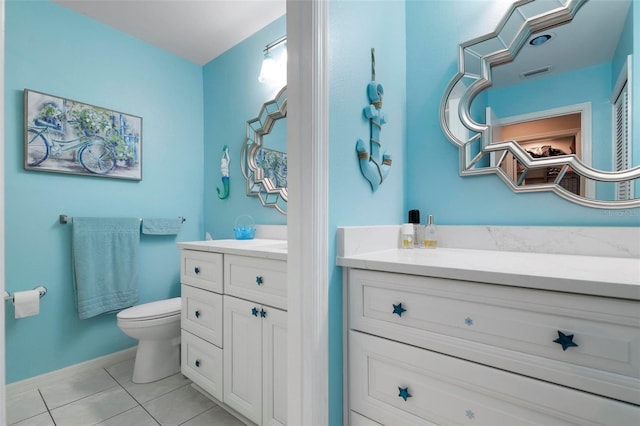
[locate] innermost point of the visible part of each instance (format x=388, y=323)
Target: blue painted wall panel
x=233, y=95
x=354, y=28
x=54, y=50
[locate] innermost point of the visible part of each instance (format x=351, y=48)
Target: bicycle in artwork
x=71, y=137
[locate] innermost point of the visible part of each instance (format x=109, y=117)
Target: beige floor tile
x=215, y=416
x=76, y=387
x=24, y=405
x=39, y=420
x=134, y=417
x=178, y=406
x=148, y=391
x=122, y=371
x=94, y=408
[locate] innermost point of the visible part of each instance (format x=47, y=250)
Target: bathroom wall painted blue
x=54, y=50
x=354, y=28
x=625, y=44
x=233, y=95
x=434, y=30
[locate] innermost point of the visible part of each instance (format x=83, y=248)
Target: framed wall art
x=66, y=136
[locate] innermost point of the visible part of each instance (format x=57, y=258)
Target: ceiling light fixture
x=274, y=67
x=539, y=40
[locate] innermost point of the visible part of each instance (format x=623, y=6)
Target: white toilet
x=156, y=326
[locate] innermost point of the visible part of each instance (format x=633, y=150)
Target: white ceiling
x=197, y=30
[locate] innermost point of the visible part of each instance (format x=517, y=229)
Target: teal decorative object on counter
x=244, y=228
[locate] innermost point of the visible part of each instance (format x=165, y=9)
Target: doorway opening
x=548, y=134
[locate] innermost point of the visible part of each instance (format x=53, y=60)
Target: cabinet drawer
x=507, y=327
x=202, y=314
x=260, y=280
x=356, y=419
x=394, y=383
x=202, y=363
x=201, y=269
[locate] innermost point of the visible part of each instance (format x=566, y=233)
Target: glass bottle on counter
x=430, y=234
x=418, y=230
x=406, y=236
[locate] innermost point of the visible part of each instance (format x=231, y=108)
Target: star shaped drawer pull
x=566, y=340
x=398, y=309
x=254, y=312
x=404, y=393
x=259, y=280
x=263, y=313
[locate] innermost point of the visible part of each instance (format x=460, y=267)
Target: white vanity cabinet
x=424, y=346
x=234, y=326
x=255, y=360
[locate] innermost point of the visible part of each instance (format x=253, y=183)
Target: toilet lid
x=159, y=309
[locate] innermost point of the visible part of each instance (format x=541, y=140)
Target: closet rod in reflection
x=64, y=219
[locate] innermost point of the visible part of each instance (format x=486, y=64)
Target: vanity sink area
x=234, y=297
x=505, y=325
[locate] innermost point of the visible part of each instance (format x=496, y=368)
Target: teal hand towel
x=161, y=226
x=105, y=254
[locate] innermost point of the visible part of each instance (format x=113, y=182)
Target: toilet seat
x=152, y=310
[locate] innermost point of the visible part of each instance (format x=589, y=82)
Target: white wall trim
x=2, y=271
x=307, y=211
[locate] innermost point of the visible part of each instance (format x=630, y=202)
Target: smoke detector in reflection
x=535, y=72
x=540, y=40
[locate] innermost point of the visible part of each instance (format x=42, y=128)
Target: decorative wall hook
x=224, y=169
x=374, y=167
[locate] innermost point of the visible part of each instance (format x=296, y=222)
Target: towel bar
x=64, y=219
x=42, y=289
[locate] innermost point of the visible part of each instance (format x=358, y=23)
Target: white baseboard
x=58, y=375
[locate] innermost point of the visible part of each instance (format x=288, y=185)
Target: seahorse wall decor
x=374, y=167
x=224, y=169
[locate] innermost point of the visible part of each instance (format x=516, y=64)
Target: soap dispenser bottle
x=414, y=219
x=430, y=234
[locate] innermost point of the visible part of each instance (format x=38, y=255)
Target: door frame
x=307, y=212
x=584, y=109
x=2, y=270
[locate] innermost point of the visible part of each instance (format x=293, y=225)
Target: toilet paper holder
x=41, y=289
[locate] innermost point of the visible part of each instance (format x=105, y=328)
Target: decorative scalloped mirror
x=263, y=157
x=529, y=105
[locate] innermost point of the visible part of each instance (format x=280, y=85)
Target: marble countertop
x=259, y=247
x=593, y=275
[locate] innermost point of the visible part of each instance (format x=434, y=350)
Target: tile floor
x=107, y=397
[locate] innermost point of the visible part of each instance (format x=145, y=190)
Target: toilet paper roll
x=27, y=303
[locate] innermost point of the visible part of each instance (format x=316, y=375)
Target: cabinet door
x=243, y=357
x=274, y=367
